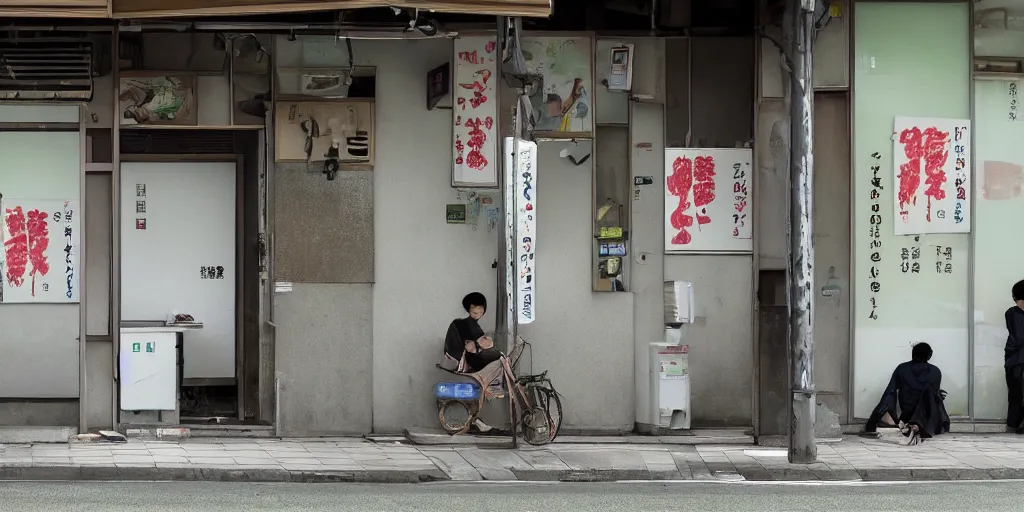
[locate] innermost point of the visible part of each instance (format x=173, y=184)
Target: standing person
x=1013, y=356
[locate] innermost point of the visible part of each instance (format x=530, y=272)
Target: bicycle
x=534, y=395
x=542, y=415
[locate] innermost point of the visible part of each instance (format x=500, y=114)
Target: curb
x=188, y=474
x=269, y=475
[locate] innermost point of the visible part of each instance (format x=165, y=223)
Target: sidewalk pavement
x=950, y=457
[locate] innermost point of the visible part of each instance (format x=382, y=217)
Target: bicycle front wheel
x=553, y=405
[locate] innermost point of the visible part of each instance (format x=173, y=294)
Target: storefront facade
x=950, y=288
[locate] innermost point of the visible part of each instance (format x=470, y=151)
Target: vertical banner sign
x=40, y=250
x=474, y=138
x=931, y=172
x=526, y=231
x=521, y=226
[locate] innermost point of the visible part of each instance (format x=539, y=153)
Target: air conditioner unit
x=316, y=83
x=46, y=69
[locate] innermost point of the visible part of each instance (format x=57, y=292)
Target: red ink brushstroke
x=679, y=184
x=38, y=242
x=489, y=48
x=704, y=188
x=931, y=146
x=475, y=159
x=16, y=247
x=459, y=149
x=470, y=57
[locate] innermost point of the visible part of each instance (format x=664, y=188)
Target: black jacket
x=1013, y=353
x=914, y=395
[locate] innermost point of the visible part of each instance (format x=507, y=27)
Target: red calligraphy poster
x=931, y=175
x=40, y=250
x=708, y=200
x=475, y=160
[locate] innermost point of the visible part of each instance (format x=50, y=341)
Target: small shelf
x=997, y=75
x=191, y=127
x=99, y=167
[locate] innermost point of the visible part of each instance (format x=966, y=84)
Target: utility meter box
x=670, y=386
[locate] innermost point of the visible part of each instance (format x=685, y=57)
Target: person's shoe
x=1020, y=430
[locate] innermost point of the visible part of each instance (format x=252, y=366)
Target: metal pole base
x=802, y=448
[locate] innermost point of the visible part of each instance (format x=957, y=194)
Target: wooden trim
x=70, y=12
x=159, y=8
x=40, y=127
x=190, y=127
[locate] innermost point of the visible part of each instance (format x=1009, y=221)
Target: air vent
x=33, y=69
x=172, y=142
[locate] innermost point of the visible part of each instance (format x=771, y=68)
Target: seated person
x=466, y=339
x=913, y=398
x=467, y=346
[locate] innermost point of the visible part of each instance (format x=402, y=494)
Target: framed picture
x=438, y=84
x=306, y=131
x=563, y=105
x=154, y=98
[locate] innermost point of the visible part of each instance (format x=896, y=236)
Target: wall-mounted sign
x=455, y=214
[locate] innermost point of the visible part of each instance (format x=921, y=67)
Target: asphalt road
x=485, y=497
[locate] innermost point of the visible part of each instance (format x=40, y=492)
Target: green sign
x=150, y=347
x=455, y=214
x=136, y=347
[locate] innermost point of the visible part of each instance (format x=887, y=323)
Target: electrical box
x=679, y=307
x=149, y=371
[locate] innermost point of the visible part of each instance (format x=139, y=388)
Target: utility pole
x=800, y=27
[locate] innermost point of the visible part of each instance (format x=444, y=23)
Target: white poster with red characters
x=40, y=251
x=708, y=200
x=931, y=175
x=475, y=113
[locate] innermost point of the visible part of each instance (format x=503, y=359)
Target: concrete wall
x=583, y=338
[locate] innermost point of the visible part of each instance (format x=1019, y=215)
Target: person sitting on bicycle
x=467, y=346
x=467, y=339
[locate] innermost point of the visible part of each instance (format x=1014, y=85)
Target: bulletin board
x=350, y=122
x=907, y=288
x=178, y=255
x=708, y=200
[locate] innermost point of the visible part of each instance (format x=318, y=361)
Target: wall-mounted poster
x=563, y=106
x=932, y=175
x=40, y=250
x=708, y=200
x=156, y=98
x=306, y=131
x=475, y=113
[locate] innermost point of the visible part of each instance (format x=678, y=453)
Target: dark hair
x=474, y=299
x=1018, y=291
x=922, y=352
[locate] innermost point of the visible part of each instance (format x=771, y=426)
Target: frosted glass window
x=912, y=59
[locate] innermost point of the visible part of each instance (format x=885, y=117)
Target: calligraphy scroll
x=931, y=170
x=708, y=200
x=475, y=113
x=521, y=203
x=40, y=250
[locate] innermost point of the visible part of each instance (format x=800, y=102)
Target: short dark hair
x=1018, y=291
x=921, y=352
x=474, y=299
